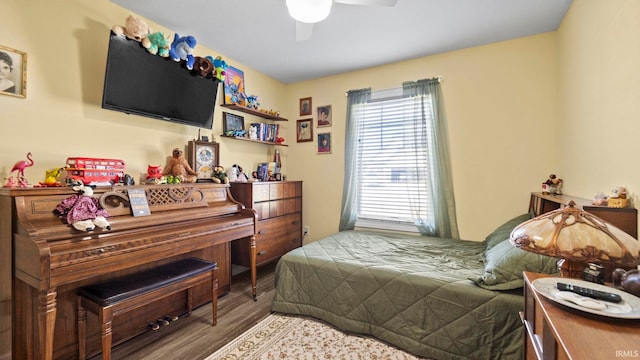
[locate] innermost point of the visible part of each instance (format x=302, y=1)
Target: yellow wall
x=501, y=109
x=517, y=110
x=599, y=82
x=66, y=42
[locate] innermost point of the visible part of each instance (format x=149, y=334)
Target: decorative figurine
x=629, y=281
x=154, y=174
x=553, y=185
x=51, y=178
x=252, y=102
x=20, y=180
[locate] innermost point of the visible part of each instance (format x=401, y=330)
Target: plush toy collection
x=179, y=49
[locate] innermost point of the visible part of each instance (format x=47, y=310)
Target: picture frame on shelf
x=305, y=106
x=232, y=123
x=304, y=130
x=324, y=143
x=324, y=116
x=234, y=87
x=13, y=63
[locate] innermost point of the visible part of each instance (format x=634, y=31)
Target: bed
x=436, y=298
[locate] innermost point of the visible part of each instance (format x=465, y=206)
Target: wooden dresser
x=626, y=219
x=279, y=227
x=553, y=331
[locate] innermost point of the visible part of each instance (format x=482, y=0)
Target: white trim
x=386, y=225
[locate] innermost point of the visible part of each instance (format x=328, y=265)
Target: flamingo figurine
x=20, y=166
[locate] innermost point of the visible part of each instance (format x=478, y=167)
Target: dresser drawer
x=274, y=238
x=277, y=236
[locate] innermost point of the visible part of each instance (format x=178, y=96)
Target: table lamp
x=577, y=238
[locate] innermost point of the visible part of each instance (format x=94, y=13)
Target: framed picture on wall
x=13, y=72
x=304, y=130
x=324, y=115
x=324, y=143
x=232, y=123
x=234, y=87
x=305, y=106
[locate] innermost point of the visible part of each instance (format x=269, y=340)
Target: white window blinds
x=394, y=160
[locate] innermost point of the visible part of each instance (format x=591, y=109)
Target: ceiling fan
x=308, y=12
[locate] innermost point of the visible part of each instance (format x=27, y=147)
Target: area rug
x=282, y=336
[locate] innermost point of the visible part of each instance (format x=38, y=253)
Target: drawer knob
x=263, y=252
x=262, y=232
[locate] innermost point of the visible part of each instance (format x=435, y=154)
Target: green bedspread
x=412, y=292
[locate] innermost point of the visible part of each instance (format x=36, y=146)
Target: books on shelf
x=264, y=132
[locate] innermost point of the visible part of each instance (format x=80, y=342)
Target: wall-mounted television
x=137, y=82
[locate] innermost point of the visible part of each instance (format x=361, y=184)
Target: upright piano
x=49, y=260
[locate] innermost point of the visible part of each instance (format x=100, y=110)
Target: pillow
x=504, y=230
x=504, y=264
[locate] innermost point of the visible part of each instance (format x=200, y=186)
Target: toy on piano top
x=178, y=169
x=19, y=167
x=82, y=210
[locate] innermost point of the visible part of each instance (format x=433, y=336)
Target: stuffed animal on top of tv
x=134, y=29
x=157, y=44
x=219, y=67
x=182, y=49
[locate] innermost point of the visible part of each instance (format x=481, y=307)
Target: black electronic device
x=594, y=273
x=137, y=82
x=594, y=294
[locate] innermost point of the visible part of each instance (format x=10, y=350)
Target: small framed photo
x=234, y=87
x=305, y=106
x=13, y=72
x=304, y=130
x=324, y=115
x=232, y=124
x=324, y=143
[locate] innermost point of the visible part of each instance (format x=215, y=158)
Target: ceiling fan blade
x=368, y=2
x=303, y=31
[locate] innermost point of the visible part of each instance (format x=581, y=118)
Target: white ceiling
x=261, y=35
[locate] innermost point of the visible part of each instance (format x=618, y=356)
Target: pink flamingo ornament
x=19, y=167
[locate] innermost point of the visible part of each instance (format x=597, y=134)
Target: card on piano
x=138, y=202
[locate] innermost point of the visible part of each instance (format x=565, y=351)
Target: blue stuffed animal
x=219, y=66
x=182, y=48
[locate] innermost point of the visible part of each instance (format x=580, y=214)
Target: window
x=397, y=171
x=393, y=163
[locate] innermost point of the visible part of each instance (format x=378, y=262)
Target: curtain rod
x=439, y=77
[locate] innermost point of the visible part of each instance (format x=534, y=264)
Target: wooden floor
x=193, y=337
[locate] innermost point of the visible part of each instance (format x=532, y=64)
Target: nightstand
x=553, y=331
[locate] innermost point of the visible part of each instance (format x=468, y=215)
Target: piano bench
x=126, y=293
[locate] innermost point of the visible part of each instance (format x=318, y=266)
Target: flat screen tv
x=137, y=82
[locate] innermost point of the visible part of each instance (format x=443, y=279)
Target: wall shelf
x=255, y=141
x=254, y=112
